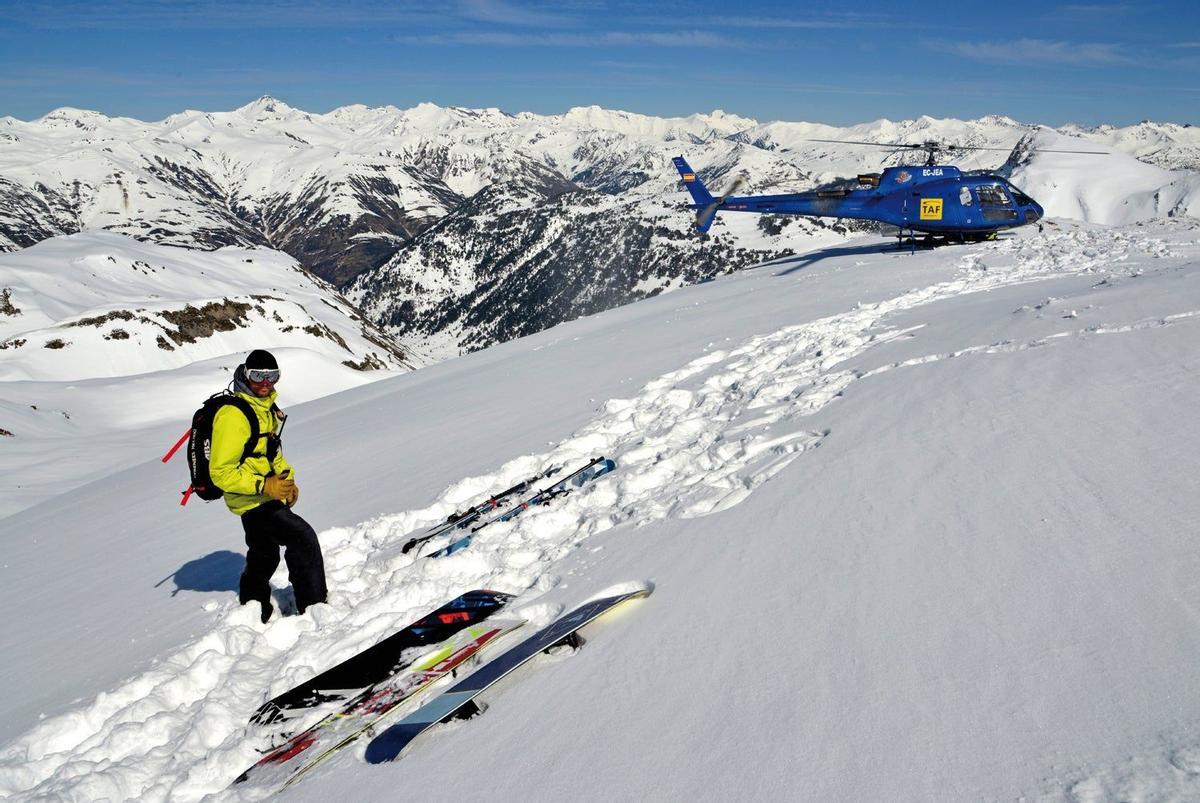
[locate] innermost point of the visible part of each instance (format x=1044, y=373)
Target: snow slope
x=920, y=527
x=1110, y=187
x=102, y=335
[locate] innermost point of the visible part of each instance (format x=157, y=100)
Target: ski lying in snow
x=476, y=511
x=459, y=698
x=305, y=750
x=381, y=661
x=596, y=467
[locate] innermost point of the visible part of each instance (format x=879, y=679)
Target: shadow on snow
x=216, y=571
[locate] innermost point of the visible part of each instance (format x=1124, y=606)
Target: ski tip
x=540, y=614
x=631, y=589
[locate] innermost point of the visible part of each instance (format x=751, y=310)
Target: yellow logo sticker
x=931, y=209
x=689, y=176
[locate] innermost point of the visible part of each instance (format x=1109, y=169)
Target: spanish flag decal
x=689, y=176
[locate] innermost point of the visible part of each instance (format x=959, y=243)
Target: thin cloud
x=506, y=13
x=609, y=39
x=839, y=21
x=1096, y=8
x=1043, y=51
x=216, y=14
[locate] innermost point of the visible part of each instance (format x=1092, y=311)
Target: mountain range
x=458, y=228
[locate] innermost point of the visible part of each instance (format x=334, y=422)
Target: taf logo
x=931, y=209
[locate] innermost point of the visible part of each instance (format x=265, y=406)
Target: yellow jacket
x=242, y=481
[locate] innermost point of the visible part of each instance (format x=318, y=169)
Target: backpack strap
x=274, y=439
x=248, y=411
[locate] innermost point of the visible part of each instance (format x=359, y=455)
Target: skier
x=262, y=490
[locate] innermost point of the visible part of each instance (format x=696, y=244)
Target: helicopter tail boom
x=701, y=197
x=700, y=194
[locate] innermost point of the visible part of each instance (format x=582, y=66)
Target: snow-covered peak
x=69, y=117
x=431, y=118
x=266, y=108
x=998, y=120
x=695, y=128
x=724, y=122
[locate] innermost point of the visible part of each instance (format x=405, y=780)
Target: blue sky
x=837, y=63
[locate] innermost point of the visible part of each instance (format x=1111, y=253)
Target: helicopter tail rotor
x=705, y=202
x=705, y=216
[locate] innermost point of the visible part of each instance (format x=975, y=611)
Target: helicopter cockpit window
x=964, y=196
x=995, y=204
x=1020, y=197
x=992, y=196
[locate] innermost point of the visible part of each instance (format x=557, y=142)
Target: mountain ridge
x=350, y=192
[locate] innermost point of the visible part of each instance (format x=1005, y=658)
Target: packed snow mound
x=1108, y=187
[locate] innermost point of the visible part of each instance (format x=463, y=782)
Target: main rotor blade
x=972, y=148
x=873, y=144
x=1055, y=150
x=940, y=147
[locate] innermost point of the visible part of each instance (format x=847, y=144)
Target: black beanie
x=261, y=359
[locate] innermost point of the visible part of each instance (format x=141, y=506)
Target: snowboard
x=305, y=750
x=459, y=698
x=381, y=661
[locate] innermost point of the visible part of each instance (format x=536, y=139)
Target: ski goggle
x=259, y=376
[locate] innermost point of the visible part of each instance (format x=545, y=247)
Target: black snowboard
x=383, y=659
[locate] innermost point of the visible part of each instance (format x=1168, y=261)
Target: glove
x=295, y=497
x=279, y=487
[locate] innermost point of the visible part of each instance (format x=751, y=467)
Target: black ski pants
x=268, y=527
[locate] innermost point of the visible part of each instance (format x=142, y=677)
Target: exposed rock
x=6, y=305
x=194, y=323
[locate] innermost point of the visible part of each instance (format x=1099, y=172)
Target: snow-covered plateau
x=920, y=526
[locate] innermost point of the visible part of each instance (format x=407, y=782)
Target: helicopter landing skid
x=914, y=239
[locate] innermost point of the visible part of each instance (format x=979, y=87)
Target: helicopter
x=938, y=201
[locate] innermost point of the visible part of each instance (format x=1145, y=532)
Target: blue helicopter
x=939, y=201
